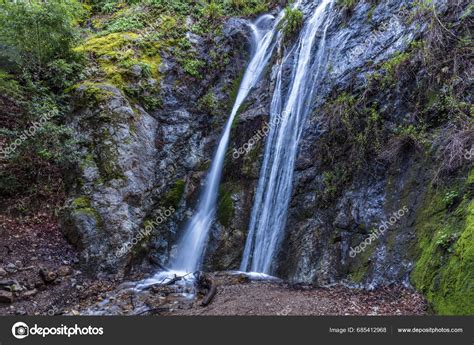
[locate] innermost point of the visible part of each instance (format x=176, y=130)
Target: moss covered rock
x=444, y=271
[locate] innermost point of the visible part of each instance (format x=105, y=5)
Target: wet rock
x=140, y=155
x=7, y=283
x=47, y=275
x=136, y=70
x=3, y=273
x=11, y=268
x=30, y=293
x=39, y=284
x=64, y=271
x=125, y=158
x=21, y=311
x=6, y=296
x=16, y=288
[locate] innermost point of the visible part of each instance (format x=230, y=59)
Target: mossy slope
x=444, y=271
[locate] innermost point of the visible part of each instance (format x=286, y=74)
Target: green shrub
x=292, y=21
x=193, y=67
x=347, y=4
x=208, y=103
x=128, y=22
x=212, y=10
x=35, y=33
x=174, y=195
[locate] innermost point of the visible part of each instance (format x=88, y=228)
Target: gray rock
x=47, y=275
x=7, y=283
x=65, y=271
x=30, y=293
x=6, y=296
x=136, y=70
x=11, y=268
x=134, y=157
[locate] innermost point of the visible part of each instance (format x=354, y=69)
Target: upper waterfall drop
x=192, y=245
x=269, y=213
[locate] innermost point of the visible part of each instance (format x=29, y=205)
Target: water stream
x=269, y=213
x=191, y=247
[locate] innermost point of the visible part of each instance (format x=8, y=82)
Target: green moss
x=346, y=4
x=371, y=12
x=81, y=202
x=208, y=103
x=392, y=66
x=360, y=266
x=225, y=207
x=249, y=159
x=117, y=52
x=175, y=194
x=193, y=67
x=83, y=205
x=108, y=45
x=88, y=161
x=94, y=93
x=444, y=271
x=234, y=90
x=204, y=166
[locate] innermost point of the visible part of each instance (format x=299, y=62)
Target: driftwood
x=153, y=311
x=206, y=285
x=174, y=280
x=209, y=296
x=168, y=283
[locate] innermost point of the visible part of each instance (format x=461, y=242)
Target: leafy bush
x=193, y=67
x=450, y=198
x=208, y=103
x=126, y=23
x=35, y=33
x=38, y=66
x=292, y=21
x=212, y=11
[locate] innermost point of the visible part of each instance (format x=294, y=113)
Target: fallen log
x=206, y=286
x=174, y=280
x=154, y=311
x=209, y=296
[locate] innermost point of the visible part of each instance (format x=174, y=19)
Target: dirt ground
x=39, y=275
x=280, y=299
x=38, y=268
x=238, y=295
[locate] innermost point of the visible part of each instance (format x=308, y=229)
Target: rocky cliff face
x=379, y=147
x=384, y=149
x=137, y=163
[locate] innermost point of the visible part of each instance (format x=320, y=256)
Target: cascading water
x=191, y=248
x=274, y=188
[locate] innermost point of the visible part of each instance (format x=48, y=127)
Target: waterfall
x=269, y=213
x=192, y=245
